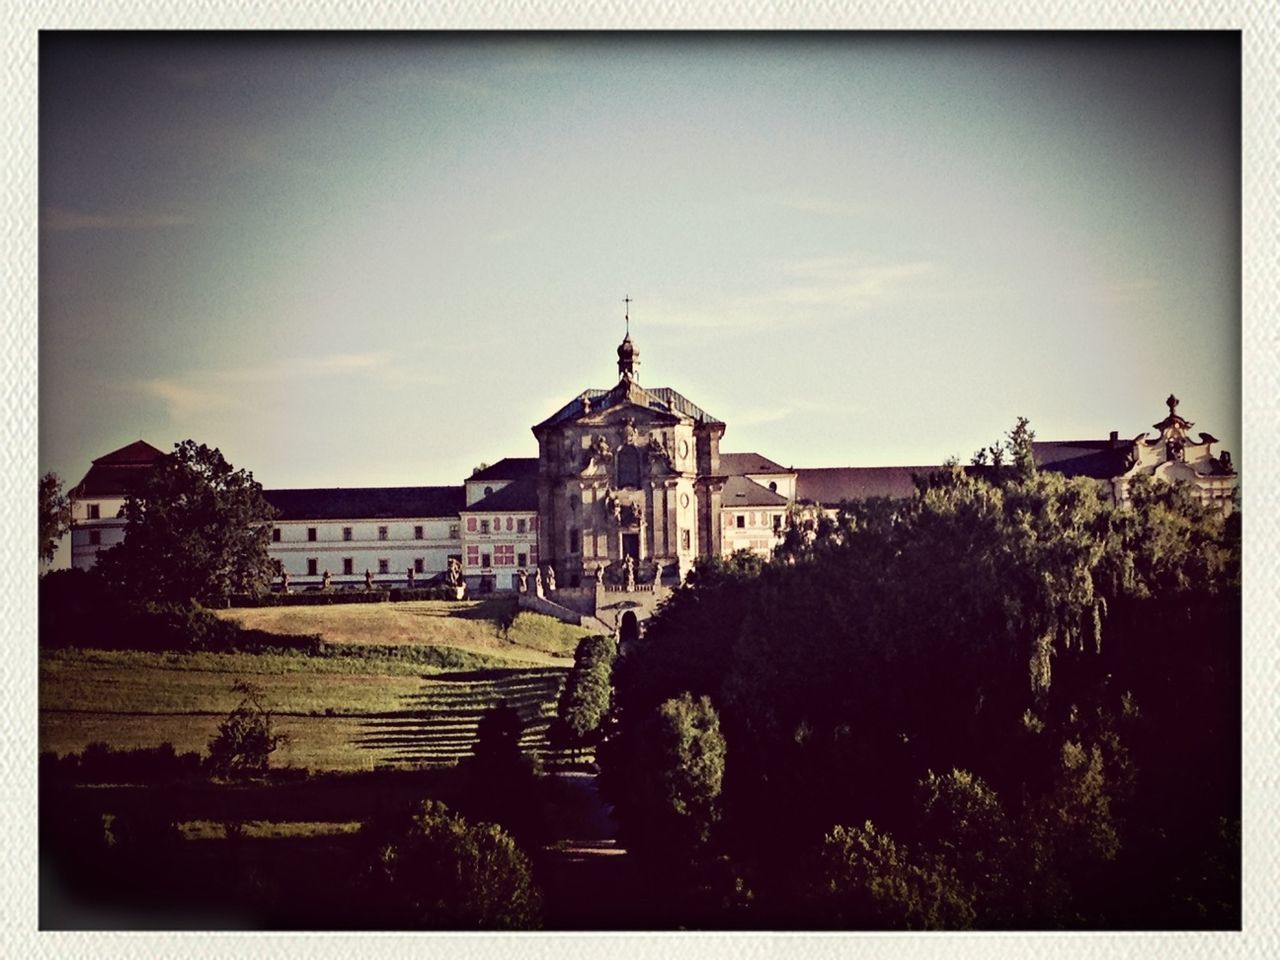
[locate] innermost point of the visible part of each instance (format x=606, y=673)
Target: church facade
x=629, y=488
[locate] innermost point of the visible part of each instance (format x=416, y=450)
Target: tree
x=585, y=699
x=198, y=530
x=667, y=781
x=246, y=739
x=436, y=870
x=866, y=880
x=55, y=515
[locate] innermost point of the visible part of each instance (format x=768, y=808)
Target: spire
x=628, y=355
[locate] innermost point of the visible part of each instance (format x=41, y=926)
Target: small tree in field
x=246, y=738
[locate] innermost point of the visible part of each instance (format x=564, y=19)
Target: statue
x=600, y=574
x=411, y=578
x=368, y=579
x=551, y=577
x=284, y=580
x=454, y=575
x=522, y=581
x=327, y=583
x=598, y=452
x=629, y=434
x=657, y=450
x=614, y=506
x=629, y=572
x=537, y=583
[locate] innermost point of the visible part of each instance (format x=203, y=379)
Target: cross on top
x=627, y=316
x=1172, y=403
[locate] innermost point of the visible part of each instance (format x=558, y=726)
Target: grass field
x=373, y=694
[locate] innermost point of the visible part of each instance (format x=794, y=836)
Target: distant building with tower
x=628, y=489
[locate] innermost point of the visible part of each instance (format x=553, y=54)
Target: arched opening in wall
x=628, y=629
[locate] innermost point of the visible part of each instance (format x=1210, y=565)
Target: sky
x=379, y=259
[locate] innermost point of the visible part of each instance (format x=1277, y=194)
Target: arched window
x=773, y=485
x=629, y=467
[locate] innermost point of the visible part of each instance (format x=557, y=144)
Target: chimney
x=1115, y=437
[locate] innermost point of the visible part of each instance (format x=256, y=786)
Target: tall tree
x=198, y=530
x=55, y=515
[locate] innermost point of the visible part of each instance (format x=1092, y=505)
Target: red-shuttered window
x=471, y=524
x=473, y=556
x=533, y=555
x=497, y=524
x=510, y=523
x=504, y=555
x=533, y=524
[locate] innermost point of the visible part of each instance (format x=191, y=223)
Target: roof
x=741, y=464
x=509, y=468
x=138, y=452
x=830, y=485
x=117, y=472
x=741, y=492
x=366, y=503
x=1099, y=459
x=662, y=399
x=518, y=495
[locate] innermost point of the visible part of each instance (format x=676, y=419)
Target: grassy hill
x=387, y=685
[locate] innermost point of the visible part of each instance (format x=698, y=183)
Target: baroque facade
x=628, y=489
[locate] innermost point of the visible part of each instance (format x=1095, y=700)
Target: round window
x=684, y=450
x=684, y=500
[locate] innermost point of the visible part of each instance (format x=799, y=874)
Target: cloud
x=64, y=219
x=184, y=400
x=843, y=281
x=200, y=391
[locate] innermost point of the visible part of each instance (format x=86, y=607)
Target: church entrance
x=628, y=629
x=631, y=546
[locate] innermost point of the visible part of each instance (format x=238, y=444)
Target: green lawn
x=473, y=626
x=376, y=692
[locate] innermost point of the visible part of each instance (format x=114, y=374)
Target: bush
x=245, y=739
x=435, y=870
x=100, y=763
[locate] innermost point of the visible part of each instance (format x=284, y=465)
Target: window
x=384, y=566
x=488, y=490
x=573, y=541
x=773, y=485
x=455, y=532
x=417, y=532
x=346, y=533
x=419, y=565
x=533, y=555
x=382, y=533
x=504, y=555
x=313, y=565
x=93, y=511
x=348, y=566
x=533, y=523
x=471, y=524
x=311, y=533
x=777, y=523
x=741, y=521
x=522, y=560
x=520, y=526
x=275, y=534
x=473, y=556
x=95, y=538
x=629, y=467
x=510, y=522
x=484, y=526
x=486, y=560
x=497, y=524
x=686, y=541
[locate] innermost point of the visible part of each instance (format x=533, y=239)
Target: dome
x=628, y=359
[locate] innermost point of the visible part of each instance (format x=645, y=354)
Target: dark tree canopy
x=1073, y=664
x=198, y=530
x=55, y=515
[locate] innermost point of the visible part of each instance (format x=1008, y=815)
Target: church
x=628, y=489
